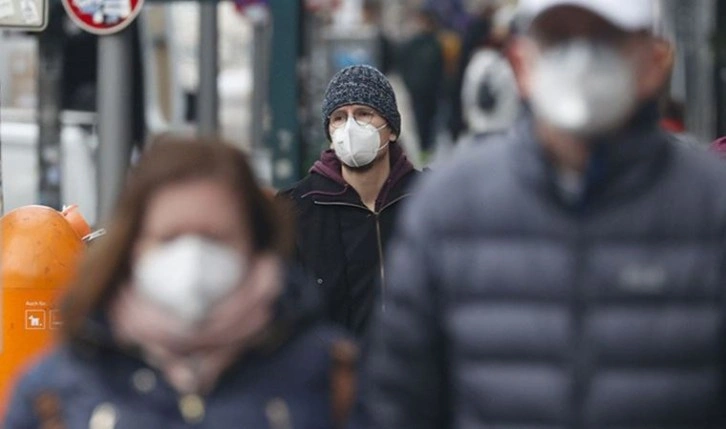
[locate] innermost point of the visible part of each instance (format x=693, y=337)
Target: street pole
x=208, y=112
x=50, y=76
x=285, y=137
x=115, y=82
x=260, y=18
x=720, y=72
x=2, y=199
x=693, y=27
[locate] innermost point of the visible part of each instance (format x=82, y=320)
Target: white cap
x=629, y=15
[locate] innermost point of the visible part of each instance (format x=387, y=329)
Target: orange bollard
x=40, y=249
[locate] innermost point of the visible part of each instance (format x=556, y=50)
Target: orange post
x=40, y=249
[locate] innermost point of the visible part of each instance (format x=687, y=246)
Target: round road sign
x=103, y=17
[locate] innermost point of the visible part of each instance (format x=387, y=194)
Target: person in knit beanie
x=347, y=205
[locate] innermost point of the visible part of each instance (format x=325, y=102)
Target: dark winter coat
x=511, y=307
x=341, y=242
x=288, y=383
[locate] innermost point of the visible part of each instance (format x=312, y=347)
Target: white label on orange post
x=35, y=320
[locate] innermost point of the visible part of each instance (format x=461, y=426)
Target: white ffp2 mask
x=356, y=145
x=188, y=275
x=583, y=88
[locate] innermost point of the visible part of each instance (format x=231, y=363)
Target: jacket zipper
x=379, y=239
x=380, y=263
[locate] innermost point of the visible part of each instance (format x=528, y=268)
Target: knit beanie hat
x=361, y=84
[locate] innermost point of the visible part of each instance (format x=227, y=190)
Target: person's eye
x=364, y=117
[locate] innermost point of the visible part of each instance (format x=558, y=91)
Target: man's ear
x=519, y=53
x=392, y=138
x=656, y=74
x=664, y=53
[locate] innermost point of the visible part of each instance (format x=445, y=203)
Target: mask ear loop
x=378, y=130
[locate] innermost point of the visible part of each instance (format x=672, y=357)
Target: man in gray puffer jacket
x=572, y=275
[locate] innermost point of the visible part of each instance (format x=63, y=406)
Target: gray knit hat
x=361, y=84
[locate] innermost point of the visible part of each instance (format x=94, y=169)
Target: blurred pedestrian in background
x=672, y=116
x=478, y=30
x=185, y=313
x=421, y=64
x=453, y=14
x=372, y=10
x=673, y=121
x=489, y=97
x=347, y=206
x=572, y=274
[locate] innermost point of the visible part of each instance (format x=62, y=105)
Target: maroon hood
x=329, y=166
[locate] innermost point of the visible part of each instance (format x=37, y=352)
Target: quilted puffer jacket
x=514, y=305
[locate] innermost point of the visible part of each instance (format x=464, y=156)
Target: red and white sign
x=103, y=17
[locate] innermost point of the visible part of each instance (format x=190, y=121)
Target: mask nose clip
x=357, y=145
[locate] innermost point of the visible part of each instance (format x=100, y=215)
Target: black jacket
x=340, y=241
x=513, y=307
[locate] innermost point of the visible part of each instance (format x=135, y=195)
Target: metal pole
x=2, y=199
x=115, y=80
x=208, y=112
x=50, y=75
x=260, y=70
x=285, y=137
x=694, y=23
x=720, y=50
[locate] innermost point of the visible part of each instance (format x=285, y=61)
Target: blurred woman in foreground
x=186, y=314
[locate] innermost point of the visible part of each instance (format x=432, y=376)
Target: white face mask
x=357, y=145
x=189, y=275
x=583, y=89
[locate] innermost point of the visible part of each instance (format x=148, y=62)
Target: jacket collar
x=334, y=189
x=620, y=164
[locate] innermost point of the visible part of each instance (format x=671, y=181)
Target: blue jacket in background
x=287, y=383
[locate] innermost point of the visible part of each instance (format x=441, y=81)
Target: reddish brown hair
x=173, y=160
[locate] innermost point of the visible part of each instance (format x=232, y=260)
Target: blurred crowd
x=458, y=81
x=452, y=62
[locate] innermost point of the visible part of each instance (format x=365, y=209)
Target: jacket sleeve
x=304, y=221
x=287, y=198
x=404, y=375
